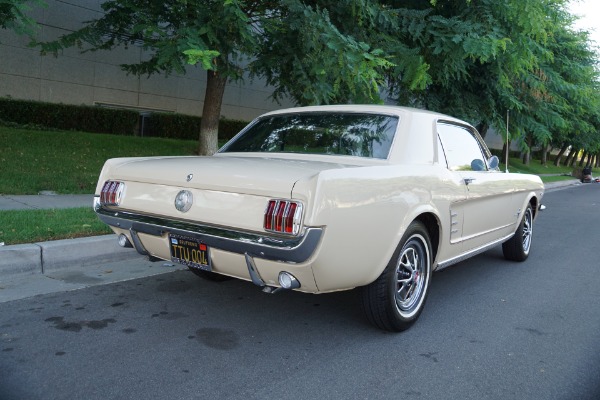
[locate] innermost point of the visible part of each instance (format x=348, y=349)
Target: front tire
x=517, y=248
x=394, y=301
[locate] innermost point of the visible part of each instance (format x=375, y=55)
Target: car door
x=487, y=212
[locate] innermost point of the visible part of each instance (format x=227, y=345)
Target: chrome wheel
x=411, y=273
x=527, y=229
x=517, y=247
x=396, y=298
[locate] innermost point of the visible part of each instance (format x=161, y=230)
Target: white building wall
x=95, y=78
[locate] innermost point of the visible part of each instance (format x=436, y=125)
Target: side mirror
x=477, y=165
x=493, y=163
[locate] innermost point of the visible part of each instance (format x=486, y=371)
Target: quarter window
x=461, y=148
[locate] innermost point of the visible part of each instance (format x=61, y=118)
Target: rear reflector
x=112, y=193
x=283, y=216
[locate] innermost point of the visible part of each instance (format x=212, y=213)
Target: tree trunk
x=545, y=150
x=574, y=161
x=526, y=156
x=585, y=153
x=560, y=154
x=571, y=157
x=211, y=113
x=589, y=159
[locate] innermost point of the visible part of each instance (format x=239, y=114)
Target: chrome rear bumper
x=295, y=249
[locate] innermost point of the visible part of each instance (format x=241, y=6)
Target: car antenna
x=507, y=143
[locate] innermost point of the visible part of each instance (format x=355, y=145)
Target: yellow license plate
x=189, y=251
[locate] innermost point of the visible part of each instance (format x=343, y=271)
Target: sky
x=589, y=11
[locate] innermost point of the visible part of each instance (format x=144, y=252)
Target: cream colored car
x=320, y=199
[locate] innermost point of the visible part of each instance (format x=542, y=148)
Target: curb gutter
x=43, y=257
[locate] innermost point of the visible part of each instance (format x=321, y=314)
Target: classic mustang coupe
x=320, y=199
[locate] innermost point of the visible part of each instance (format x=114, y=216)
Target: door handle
x=468, y=180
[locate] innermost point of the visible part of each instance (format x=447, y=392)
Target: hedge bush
x=69, y=117
x=228, y=128
x=108, y=120
x=180, y=126
x=172, y=126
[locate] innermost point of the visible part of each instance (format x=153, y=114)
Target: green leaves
x=471, y=59
x=205, y=57
x=14, y=16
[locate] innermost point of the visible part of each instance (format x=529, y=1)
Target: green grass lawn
x=535, y=167
x=30, y=226
x=69, y=162
x=548, y=173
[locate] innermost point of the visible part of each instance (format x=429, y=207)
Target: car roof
x=371, y=108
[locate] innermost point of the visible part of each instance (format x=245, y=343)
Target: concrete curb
x=562, y=184
x=39, y=258
x=20, y=259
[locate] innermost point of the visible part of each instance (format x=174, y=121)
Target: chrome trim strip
x=465, y=238
x=275, y=210
x=471, y=253
x=295, y=249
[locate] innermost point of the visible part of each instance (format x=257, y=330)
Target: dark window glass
x=352, y=134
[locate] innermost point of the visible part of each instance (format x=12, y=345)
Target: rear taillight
x=112, y=193
x=283, y=216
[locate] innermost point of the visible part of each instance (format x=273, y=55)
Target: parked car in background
x=586, y=175
x=328, y=198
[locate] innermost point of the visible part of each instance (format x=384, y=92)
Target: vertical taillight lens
x=269, y=215
x=283, y=216
x=112, y=193
x=288, y=222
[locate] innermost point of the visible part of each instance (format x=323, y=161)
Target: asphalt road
x=491, y=329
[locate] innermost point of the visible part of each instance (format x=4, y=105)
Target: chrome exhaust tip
x=123, y=241
x=288, y=281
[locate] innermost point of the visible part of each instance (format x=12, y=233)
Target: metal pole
x=507, y=142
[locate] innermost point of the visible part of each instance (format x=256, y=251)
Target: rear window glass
x=351, y=134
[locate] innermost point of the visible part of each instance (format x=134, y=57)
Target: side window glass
x=461, y=148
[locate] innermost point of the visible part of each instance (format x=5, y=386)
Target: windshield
x=352, y=134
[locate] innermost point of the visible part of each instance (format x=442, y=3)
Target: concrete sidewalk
x=45, y=201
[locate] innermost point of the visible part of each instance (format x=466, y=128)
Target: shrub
x=108, y=120
x=69, y=117
x=172, y=126
x=228, y=128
